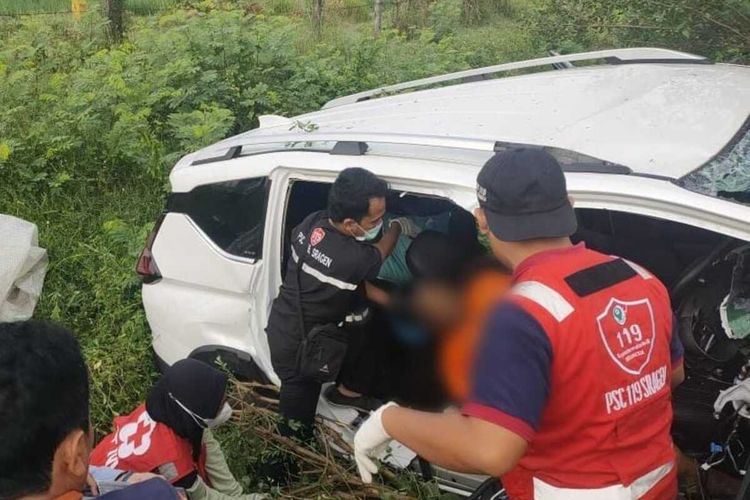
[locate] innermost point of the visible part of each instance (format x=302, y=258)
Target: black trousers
x=298, y=398
x=298, y=401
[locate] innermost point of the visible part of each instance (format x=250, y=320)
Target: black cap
x=524, y=196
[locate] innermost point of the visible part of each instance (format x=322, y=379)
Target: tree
x=114, y=12
x=719, y=29
x=318, y=15
x=378, y=17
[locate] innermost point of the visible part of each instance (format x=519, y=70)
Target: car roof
x=663, y=118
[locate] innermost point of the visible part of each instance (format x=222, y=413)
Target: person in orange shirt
x=453, y=291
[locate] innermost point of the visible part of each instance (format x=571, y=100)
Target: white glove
x=408, y=227
x=738, y=395
x=370, y=440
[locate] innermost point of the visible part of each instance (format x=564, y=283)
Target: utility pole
x=114, y=12
x=378, y=17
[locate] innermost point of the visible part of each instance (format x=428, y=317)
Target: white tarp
x=23, y=265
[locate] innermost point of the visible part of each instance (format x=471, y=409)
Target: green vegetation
x=89, y=131
x=25, y=7
x=719, y=29
x=33, y=6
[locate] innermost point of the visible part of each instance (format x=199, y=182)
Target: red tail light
x=146, y=266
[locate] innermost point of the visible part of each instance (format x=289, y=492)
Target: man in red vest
x=570, y=397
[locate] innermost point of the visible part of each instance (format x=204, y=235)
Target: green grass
x=33, y=6
x=90, y=285
x=145, y=7
x=26, y=7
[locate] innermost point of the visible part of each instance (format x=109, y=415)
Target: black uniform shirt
x=333, y=268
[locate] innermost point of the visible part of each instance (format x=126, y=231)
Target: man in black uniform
x=332, y=259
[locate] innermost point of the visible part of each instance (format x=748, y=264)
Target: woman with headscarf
x=170, y=434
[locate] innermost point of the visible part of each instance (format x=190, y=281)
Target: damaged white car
x=656, y=149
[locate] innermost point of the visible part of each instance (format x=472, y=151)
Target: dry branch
x=325, y=468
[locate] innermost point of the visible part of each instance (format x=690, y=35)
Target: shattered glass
x=726, y=176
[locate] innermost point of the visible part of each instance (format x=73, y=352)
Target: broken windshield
x=728, y=174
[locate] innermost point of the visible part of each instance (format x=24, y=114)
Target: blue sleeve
x=677, y=352
x=511, y=375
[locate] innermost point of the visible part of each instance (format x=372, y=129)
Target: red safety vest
x=607, y=420
x=140, y=444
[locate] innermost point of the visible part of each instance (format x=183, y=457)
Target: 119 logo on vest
x=627, y=331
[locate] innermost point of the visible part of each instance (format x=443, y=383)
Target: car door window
x=232, y=213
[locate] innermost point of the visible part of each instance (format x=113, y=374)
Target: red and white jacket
x=140, y=444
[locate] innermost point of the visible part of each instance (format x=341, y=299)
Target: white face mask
x=222, y=418
x=371, y=234
x=207, y=423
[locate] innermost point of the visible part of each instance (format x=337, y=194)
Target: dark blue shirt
x=153, y=489
x=510, y=382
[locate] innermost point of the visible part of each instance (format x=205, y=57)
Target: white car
x=656, y=149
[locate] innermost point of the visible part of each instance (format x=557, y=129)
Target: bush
x=284, y=7
x=445, y=17
x=89, y=132
x=719, y=29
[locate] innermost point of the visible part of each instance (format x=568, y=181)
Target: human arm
x=455, y=441
x=388, y=241
x=201, y=491
x=510, y=389
x=376, y=294
x=677, y=354
x=396, y=227
x=224, y=486
x=217, y=469
x=678, y=375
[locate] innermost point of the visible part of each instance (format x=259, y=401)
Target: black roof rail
x=572, y=161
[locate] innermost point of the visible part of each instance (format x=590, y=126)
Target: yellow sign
x=78, y=7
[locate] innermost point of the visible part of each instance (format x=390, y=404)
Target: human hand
x=408, y=227
x=91, y=483
x=370, y=439
x=738, y=395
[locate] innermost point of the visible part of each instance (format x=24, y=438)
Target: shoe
x=363, y=403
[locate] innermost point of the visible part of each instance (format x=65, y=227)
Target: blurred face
x=436, y=305
x=370, y=221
